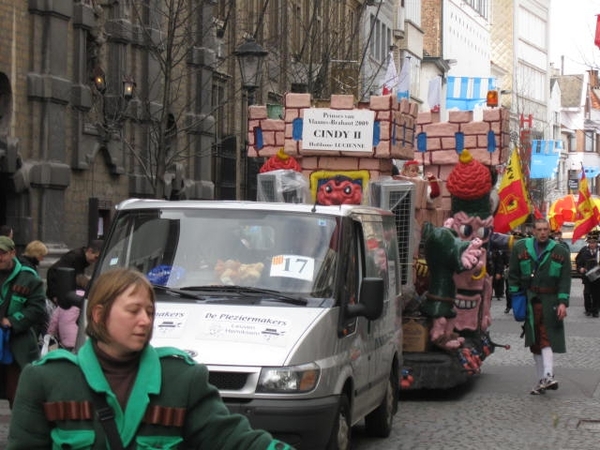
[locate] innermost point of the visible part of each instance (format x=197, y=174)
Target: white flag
x=391, y=76
x=434, y=96
x=404, y=80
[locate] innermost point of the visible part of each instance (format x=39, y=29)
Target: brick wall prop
x=487, y=141
x=395, y=121
x=404, y=134
x=401, y=131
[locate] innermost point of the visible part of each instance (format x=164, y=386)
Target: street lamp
x=250, y=56
x=114, y=104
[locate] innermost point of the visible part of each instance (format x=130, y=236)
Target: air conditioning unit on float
x=286, y=186
x=399, y=197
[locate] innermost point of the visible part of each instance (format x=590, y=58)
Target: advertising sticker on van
x=170, y=323
x=248, y=328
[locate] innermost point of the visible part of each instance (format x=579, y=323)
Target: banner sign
x=338, y=130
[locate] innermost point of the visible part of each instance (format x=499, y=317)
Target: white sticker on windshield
x=293, y=266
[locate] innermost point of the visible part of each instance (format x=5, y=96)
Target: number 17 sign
x=293, y=266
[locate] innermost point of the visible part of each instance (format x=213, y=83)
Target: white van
x=292, y=307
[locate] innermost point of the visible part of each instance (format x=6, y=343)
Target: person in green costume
x=22, y=317
x=541, y=267
x=160, y=397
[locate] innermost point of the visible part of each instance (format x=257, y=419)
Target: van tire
x=341, y=434
x=379, y=422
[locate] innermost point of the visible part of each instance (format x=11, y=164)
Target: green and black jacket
x=171, y=406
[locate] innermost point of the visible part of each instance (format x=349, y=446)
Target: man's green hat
x=6, y=244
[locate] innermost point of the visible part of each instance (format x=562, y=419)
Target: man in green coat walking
x=22, y=316
x=541, y=268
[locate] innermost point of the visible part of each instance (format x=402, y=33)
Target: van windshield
x=190, y=249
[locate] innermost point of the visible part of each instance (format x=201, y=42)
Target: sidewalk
x=4, y=422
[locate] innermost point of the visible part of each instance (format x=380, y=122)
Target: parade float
x=344, y=154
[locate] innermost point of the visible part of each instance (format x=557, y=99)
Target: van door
x=371, y=352
x=380, y=331
x=353, y=330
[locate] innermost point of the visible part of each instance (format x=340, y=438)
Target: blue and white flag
x=591, y=172
x=466, y=93
x=544, y=158
x=403, y=89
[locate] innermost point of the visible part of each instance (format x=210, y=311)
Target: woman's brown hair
x=105, y=289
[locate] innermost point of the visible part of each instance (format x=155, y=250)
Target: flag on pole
x=434, y=96
x=467, y=93
x=597, y=35
x=544, y=158
x=391, y=76
x=513, y=205
x=587, y=215
x=403, y=89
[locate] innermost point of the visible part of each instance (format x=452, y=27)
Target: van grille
x=230, y=381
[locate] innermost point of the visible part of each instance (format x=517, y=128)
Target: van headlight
x=291, y=379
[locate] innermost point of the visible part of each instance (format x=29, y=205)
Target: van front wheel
x=379, y=422
x=341, y=434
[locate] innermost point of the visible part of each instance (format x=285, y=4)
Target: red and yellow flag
x=513, y=207
x=587, y=215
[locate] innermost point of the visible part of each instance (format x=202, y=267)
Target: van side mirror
x=370, y=304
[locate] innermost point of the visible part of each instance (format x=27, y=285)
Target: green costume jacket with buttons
x=171, y=406
x=547, y=277
x=24, y=292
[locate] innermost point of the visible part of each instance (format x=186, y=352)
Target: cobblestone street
x=496, y=410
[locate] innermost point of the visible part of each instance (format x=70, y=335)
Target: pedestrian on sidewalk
x=516, y=235
x=22, y=316
x=147, y=397
x=78, y=259
x=63, y=324
x=7, y=230
x=557, y=236
x=497, y=263
x=34, y=254
x=541, y=267
x=507, y=292
x=586, y=260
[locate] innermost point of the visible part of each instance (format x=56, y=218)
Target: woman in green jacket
x=159, y=397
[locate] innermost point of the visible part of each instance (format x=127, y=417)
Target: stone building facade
x=72, y=145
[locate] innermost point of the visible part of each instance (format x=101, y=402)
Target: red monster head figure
x=339, y=190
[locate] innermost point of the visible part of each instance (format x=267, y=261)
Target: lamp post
x=114, y=104
x=250, y=56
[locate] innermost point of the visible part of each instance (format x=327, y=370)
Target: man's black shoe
x=595, y=315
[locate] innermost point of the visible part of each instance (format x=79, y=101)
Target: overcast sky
x=572, y=30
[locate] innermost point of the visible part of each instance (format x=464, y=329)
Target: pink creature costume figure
x=410, y=169
x=470, y=185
